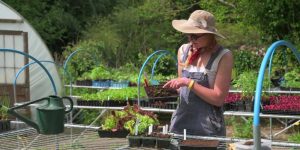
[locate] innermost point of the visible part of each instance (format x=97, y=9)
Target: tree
x=61, y=22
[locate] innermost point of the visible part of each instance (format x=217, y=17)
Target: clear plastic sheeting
x=18, y=34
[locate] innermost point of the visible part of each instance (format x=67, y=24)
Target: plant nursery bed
x=281, y=112
x=195, y=144
x=84, y=82
x=113, y=134
x=108, y=103
x=88, y=103
x=289, y=88
x=162, y=140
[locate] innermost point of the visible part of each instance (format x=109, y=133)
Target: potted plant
x=4, y=121
x=138, y=126
x=163, y=140
x=84, y=80
x=112, y=97
x=247, y=84
x=101, y=76
x=159, y=96
x=291, y=80
x=283, y=104
x=113, y=125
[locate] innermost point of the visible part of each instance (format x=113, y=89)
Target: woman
x=204, y=74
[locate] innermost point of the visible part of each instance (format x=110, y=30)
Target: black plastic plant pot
x=84, y=82
x=4, y=125
x=282, y=112
x=113, y=134
x=163, y=143
x=149, y=141
x=289, y=88
x=194, y=144
x=116, y=103
x=134, y=141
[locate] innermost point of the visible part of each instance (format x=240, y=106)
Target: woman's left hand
x=177, y=83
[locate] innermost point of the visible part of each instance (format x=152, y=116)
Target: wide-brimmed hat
x=200, y=21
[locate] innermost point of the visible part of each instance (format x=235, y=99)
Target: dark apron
x=194, y=114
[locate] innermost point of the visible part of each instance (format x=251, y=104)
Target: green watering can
x=50, y=115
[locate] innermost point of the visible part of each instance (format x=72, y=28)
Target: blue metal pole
x=256, y=120
x=156, y=61
x=142, y=69
x=68, y=59
x=34, y=59
x=24, y=67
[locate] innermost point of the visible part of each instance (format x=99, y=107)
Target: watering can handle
x=71, y=104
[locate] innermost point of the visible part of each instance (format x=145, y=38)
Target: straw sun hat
x=200, y=21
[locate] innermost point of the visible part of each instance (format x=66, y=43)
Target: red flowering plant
x=232, y=101
x=283, y=103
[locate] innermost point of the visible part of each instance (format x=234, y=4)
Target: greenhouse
x=120, y=75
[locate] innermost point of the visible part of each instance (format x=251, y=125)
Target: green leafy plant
x=243, y=129
x=127, y=119
x=5, y=101
x=246, y=61
x=85, y=76
x=114, y=121
x=141, y=122
x=246, y=82
x=292, y=78
x=294, y=137
x=100, y=72
x=115, y=94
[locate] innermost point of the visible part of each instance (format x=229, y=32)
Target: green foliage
x=129, y=125
x=100, y=72
x=247, y=83
x=87, y=57
x=295, y=137
x=80, y=91
x=292, y=78
x=126, y=72
x=283, y=60
x=242, y=129
x=88, y=116
x=126, y=119
x=115, y=94
x=276, y=19
x=62, y=21
x=110, y=123
x=144, y=122
x=5, y=101
x=245, y=61
x=134, y=30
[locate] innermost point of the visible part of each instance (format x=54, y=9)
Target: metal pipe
x=156, y=61
x=142, y=69
x=37, y=61
x=21, y=70
x=256, y=120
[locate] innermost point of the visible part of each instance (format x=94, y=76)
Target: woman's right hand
x=177, y=83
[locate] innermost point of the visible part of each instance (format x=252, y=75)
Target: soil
x=159, y=91
x=159, y=135
x=200, y=143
